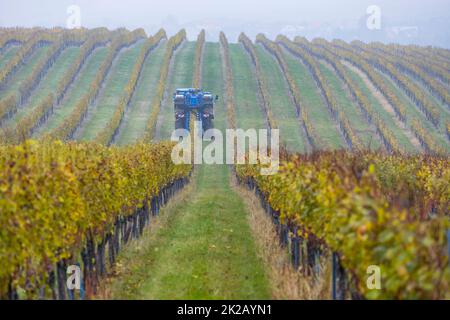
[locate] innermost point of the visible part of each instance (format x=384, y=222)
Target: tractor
x=192, y=101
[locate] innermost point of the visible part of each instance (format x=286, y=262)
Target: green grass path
x=283, y=109
x=444, y=111
x=78, y=89
x=136, y=118
x=412, y=112
x=314, y=105
x=49, y=82
x=7, y=54
x=365, y=132
x=387, y=118
x=248, y=111
x=212, y=80
x=24, y=71
x=107, y=101
x=205, y=249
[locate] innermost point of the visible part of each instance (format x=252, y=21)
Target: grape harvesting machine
x=192, y=101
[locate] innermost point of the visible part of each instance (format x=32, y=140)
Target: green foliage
x=53, y=195
x=390, y=211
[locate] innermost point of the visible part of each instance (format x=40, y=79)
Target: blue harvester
x=189, y=101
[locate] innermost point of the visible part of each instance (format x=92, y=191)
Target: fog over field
x=403, y=21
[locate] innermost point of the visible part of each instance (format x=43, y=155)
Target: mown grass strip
x=248, y=112
x=139, y=112
x=318, y=114
x=50, y=81
x=204, y=250
x=13, y=85
x=282, y=108
x=78, y=89
x=113, y=90
x=7, y=54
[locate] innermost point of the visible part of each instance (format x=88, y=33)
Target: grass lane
x=49, y=82
x=24, y=71
x=212, y=80
x=412, y=112
x=365, y=132
x=111, y=94
x=203, y=247
x=7, y=54
x=387, y=118
x=248, y=110
x=444, y=111
x=77, y=90
x=204, y=250
x=283, y=109
x=135, y=120
x=314, y=105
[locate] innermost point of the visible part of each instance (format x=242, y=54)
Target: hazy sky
x=151, y=14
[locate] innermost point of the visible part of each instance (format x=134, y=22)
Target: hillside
x=366, y=128
x=405, y=106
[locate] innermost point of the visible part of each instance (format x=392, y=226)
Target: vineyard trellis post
x=448, y=246
x=337, y=278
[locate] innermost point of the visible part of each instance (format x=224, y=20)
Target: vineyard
x=85, y=122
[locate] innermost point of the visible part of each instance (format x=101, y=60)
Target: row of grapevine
x=442, y=53
x=425, y=54
x=96, y=39
x=8, y=107
x=35, y=40
x=262, y=85
x=32, y=120
x=61, y=201
x=6, y=43
x=409, y=66
x=417, y=184
x=13, y=37
x=229, y=88
x=40, y=69
x=346, y=130
x=425, y=139
x=427, y=60
x=337, y=202
x=107, y=134
x=172, y=44
x=431, y=55
x=411, y=89
x=17, y=36
x=372, y=116
x=448, y=130
x=199, y=46
x=338, y=48
x=73, y=120
x=25, y=128
x=312, y=137
x=38, y=72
